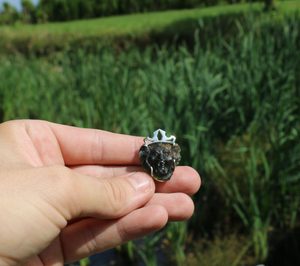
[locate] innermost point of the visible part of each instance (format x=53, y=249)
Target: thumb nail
x=140, y=181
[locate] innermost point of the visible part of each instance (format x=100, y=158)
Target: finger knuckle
x=63, y=188
x=123, y=232
x=90, y=239
x=116, y=197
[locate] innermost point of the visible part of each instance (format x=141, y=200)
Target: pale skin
x=67, y=193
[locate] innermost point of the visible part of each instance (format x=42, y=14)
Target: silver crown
x=160, y=136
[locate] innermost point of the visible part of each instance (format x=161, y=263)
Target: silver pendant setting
x=160, y=155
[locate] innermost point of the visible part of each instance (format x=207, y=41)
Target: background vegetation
x=64, y=10
x=226, y=83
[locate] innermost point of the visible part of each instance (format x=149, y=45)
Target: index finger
x=92, y=146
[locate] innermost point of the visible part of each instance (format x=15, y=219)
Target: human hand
x=66, y=193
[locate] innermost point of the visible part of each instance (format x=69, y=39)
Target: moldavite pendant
x=159, y=155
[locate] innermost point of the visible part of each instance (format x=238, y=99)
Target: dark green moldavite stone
x=162, y=158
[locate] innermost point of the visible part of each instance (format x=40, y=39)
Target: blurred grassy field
x=137, y=23
x=126, y=24
x=231, y=94
x=60, y=35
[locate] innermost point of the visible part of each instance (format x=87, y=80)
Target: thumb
x=83, y=196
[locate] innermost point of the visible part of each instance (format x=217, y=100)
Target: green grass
x=60, y=35
x=124, y=25
x=137, y=23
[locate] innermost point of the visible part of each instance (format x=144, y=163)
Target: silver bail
x=163, y=138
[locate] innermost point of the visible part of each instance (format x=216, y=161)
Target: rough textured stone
x=160, y=159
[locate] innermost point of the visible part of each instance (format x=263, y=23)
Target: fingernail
x=141, y=182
